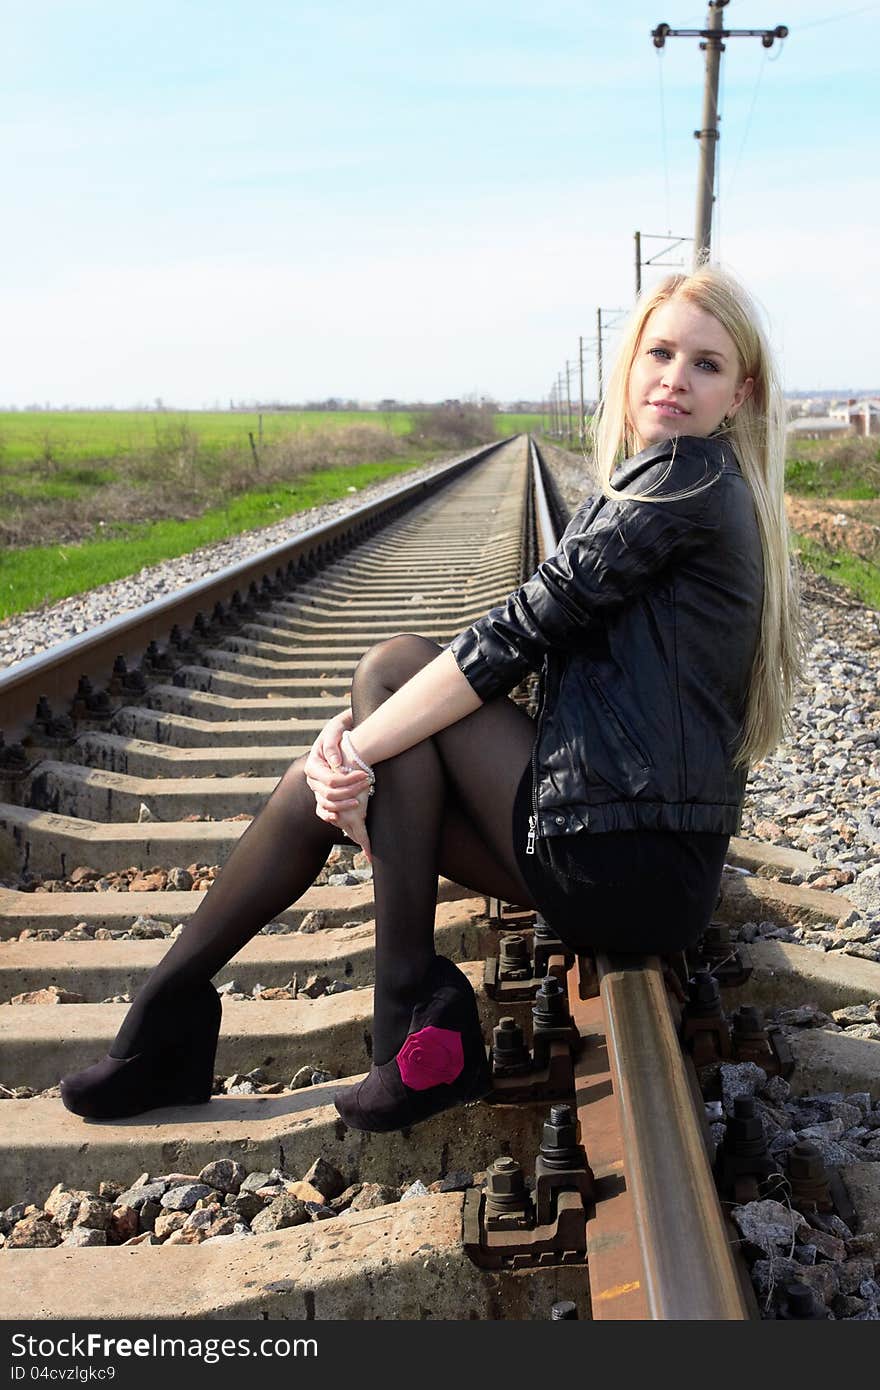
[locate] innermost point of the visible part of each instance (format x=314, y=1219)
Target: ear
x=742, y=393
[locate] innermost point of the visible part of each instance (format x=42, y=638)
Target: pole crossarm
x=767, y=36
x=675, y=242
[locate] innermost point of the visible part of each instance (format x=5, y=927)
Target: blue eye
x=703, y=362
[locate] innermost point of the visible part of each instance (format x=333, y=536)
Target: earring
x=727, y=422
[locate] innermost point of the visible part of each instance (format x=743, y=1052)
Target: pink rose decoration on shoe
x=431, y=1057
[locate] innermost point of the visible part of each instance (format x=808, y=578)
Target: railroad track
x=143, y=742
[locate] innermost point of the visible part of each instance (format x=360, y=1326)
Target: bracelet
x=348, y=749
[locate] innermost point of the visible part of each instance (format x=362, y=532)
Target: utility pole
x=568, y=398
x=599, y=313
x=561, y=399
x=582, y=429
x=708, y=134
x=654, y=260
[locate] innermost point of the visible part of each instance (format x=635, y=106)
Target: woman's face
x=686, y=375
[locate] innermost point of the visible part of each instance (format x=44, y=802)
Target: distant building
x=818, y=427
x=843, y=418
x=864, y=417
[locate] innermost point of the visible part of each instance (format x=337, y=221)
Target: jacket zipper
x=533, y=818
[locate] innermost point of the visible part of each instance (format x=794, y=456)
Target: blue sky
x=270, y=200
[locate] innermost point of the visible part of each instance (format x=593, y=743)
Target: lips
x=668, y=408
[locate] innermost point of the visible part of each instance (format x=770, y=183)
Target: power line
x=748, y=123
x=832, y=19
x=663, y=133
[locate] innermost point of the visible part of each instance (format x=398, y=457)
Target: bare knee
x=391, y=663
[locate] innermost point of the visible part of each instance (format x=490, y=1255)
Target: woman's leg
x=445, y=805
x=277, y=858
x=415, y=833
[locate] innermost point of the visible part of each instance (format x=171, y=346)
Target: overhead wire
x=833, y=18
x=659, y=52
x=748, y=124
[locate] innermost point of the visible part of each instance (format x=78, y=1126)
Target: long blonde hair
x=757, y=435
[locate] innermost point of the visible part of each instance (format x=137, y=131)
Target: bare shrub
x=174, y=457
x=856, y=453
x=308, y=451
x=456, y=424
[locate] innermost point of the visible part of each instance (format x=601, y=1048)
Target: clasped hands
x=341, y=798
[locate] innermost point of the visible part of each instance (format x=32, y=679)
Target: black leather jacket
x=644, y=624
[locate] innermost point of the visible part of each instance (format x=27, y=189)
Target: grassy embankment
x=839, y=471
x=110, y=492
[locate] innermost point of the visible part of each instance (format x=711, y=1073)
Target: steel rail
x=55, y=673
x=665, y=1253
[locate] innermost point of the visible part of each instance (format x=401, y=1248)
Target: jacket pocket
x=630, y=762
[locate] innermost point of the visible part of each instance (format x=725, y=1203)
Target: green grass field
x=859, y=576
x=110, y=492
x=83, y=436
x=44, y=574
x=848, y=468
x=517, y=424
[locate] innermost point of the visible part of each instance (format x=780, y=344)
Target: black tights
x=443, y=806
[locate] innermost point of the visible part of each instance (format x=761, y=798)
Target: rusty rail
x=656, y=1243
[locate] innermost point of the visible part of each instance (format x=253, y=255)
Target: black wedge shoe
x=176, y=1068
x=443, y=1061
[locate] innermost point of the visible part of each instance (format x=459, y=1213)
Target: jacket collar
x=712, y=449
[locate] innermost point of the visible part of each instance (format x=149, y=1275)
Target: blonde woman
x=665, y=627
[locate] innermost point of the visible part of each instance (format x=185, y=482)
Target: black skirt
x=638, y=891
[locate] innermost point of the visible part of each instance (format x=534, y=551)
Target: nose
x=674, y=374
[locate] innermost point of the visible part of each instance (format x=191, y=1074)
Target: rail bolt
x=509, y=1050
x=513, y=958
x=506, y=1184
x=559, y=1144
x=748, y=1022
x=551, y=1006
x=800, y=1302
x=805, y=1162
x=563, y=1310
x=507, y=1203
x=704, y=993
x=746, y=1130
x=13, y=757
